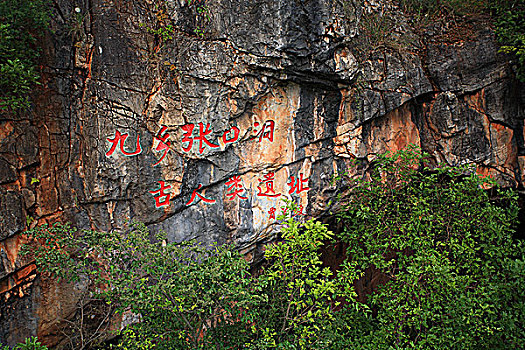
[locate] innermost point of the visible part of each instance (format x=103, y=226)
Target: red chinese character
x=202, y=137
x=299, y=211
x=187, y=137
x=195, y=193
x=163, y=145
x=266, y=131
x=119, y=139
x=233, y=138
x=188, y=130
x=163, y=198
x=268, y=183
x=235, y=189
x=272, y=213
x=298, y=185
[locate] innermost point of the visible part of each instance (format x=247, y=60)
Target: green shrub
x=184, y=294
x=22, y=22
x=453, y=277
x=510, y=31
x=189, y=296
x=453, y=273
x=301, y=293
x=31, y=343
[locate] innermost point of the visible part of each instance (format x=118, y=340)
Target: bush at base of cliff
x=180, y=294
x=21, y=23
x=187, y=296
x=453, y=277
x=301, y=295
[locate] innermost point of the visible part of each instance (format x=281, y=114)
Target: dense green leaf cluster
x=21, y=24
x=453, y=273
x=300, y=294
x=452, y=276
x=182, y=293
x=188, y=296
x=510, y=31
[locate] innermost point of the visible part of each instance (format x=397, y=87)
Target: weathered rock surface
x=12, y=219
x=269, y=103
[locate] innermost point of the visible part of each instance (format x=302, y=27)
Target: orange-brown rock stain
x=260, y=156
x=6, y=129
x=504, y=152
x=393, y=132
x=279, y=106
x=348, y=141
x=477, y=101
x=47, y=197
x=11, y=247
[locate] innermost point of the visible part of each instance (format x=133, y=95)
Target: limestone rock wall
x=199, y=117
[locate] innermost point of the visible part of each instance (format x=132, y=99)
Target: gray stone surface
x=12, y=220
x=7, y=172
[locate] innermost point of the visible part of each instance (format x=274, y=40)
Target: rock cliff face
x=199, y=117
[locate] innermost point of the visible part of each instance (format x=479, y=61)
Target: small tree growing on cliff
x=182, y=295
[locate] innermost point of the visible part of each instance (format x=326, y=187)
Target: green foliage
x=21, y=24
x=184, y=294
x=444, y=248
x=164, y=28
x=31, y=343
x=510, y=31
x=301, y=294
x=16, y=80
x=202, y=15
x=57, y=251
x=189, y=296
x=452, y=277
x=76, y=23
